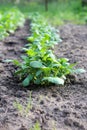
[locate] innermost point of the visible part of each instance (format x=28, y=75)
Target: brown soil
x=54, y=107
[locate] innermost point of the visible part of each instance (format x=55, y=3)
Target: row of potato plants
x=39, y=64
x=9, y=21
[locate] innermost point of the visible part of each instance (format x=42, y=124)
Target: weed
x=24, y=110
x=36, y=126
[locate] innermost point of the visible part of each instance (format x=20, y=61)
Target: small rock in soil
x=22, y=128
x=1, y=67
x=68, y=122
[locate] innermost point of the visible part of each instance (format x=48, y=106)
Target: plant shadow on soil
x=54, y=107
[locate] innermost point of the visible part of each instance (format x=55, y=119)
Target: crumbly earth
x=54, y=107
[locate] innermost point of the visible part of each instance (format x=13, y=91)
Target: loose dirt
x=54, y=107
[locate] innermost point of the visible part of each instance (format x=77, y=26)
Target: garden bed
x=54, y=107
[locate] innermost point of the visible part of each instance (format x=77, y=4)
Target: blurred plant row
x=10, y=21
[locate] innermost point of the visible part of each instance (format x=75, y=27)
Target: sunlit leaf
x=78, y=71
x=54, y=80
x=36, y=64
x=27, y=80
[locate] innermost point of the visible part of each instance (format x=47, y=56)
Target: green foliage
x=59, y=11
x=40, y=65
x=9, y=21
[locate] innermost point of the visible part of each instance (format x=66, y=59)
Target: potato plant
x=9, y=21
x=39, y=65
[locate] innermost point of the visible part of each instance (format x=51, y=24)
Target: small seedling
x=24, y=110
x=36, y=126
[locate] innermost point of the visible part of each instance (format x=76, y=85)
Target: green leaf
x=30, y=39
x=8, y=60
x=46, y=70
x=55, y=80
x=63, y=60
x=37, y=81
x=38, y=72
x=16, y=62
x=31, y=52
x=36, y=126
x=36, y=64
x=78, y=71
x=56, y=65
x=52, y=56
x=20, y=71
x=27, y=80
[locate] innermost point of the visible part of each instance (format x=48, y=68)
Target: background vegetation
x=56, y=11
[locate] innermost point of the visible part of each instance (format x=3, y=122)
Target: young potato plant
x=40, y=65
x=9, y=21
